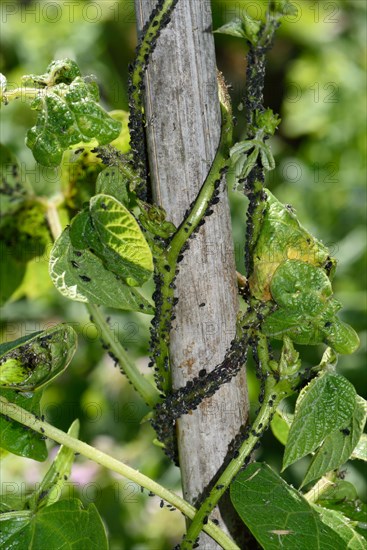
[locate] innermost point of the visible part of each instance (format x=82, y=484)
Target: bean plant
x=113, y=242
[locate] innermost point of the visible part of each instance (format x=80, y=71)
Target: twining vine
x=118, y=240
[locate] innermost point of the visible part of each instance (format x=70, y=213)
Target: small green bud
x=267, y=120
x=290, y=362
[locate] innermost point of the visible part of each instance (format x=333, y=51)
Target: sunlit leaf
x=338, y=446
x=122, y=142
x=80, y=275
x=119, y=231
x=326, y=404
x=69, y=114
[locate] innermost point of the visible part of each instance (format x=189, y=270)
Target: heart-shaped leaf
x=338, y=446
x=65, y=524
x=80, y=275
x=325, y=405
x=120, y=233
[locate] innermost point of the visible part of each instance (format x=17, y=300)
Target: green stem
x=140, y=383
x=53, y=220
x=270, y=403
x=320, y=487
x=28, y=419
x=147, y=391
x=167, y=268
x=276, y=389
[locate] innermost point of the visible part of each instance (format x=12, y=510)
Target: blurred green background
x=316, y=81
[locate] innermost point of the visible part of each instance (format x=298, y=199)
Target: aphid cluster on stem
x=158, y=20
x=188, y=398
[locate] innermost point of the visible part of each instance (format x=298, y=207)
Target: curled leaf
x=69, y=113
x=31, y=363
x=307, y=310
x=282, y=237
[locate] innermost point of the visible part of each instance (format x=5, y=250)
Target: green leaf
x=59, y=71
x=24, y=232
x=239, y=149
x=31, y=363
x=342, y=525
x=282, y=237
x=277, y=515
x=81, y=276
x=17, y=438
x=360, y=450
x=84, y=235
x=119, y=231
x=280, y=425
x=112, y=182
x=65, y=524
x=68, y=114
x=283, y=7
x=340, y=336
x=267, y=121
x=49, y=490
x=338, y=446
x=307, y=311
x=233, y=28
x=267, y=158
x=247, y=28
x=342, y=497
x=326, y=404
x=338, y=490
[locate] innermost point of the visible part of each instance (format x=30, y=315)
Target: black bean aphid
x=85, y=278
